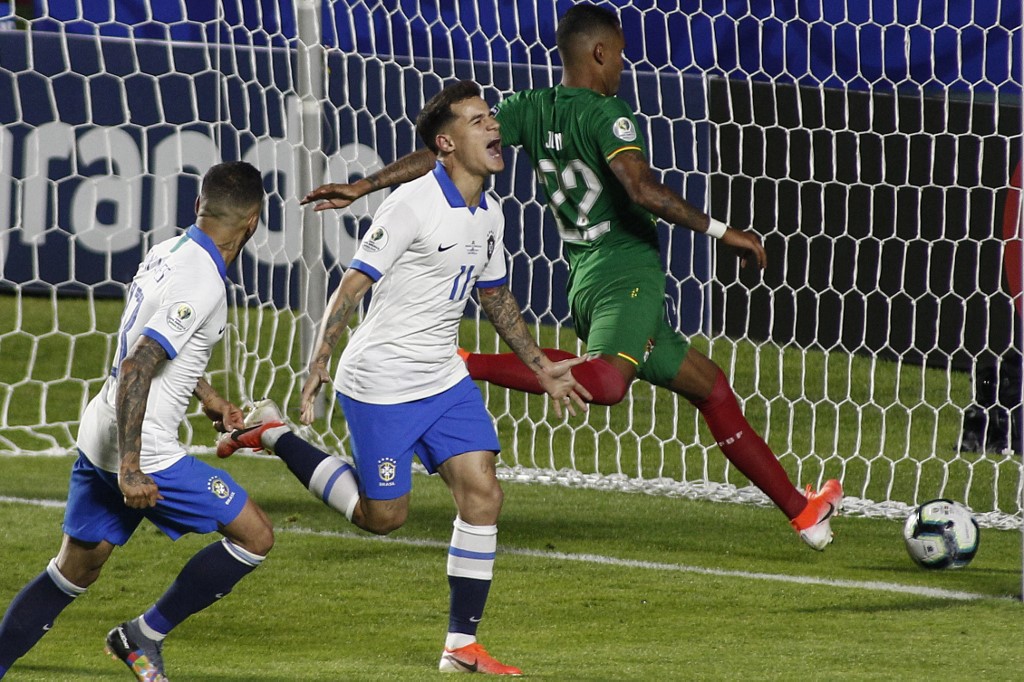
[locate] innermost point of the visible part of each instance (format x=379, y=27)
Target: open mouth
x=494, y=148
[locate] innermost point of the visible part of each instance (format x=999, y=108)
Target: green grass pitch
x=588, y=585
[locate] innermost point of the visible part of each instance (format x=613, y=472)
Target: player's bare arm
x=634, y=172
x=502, y=310
x=341, y=195
x=225, y=415
x=134, y=379
x=343, y=302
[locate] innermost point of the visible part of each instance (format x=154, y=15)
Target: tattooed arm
x=224, y=414
x=555, y=377
x=342, y=304
x=134, y=379
x=341, y=195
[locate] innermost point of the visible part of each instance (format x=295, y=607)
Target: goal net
x=876, y=151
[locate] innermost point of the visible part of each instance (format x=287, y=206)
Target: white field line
x=869, y=585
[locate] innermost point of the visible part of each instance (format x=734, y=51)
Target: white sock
x=269, y=437
x=148, y=631
x=457, y=640
x=334, y=482
x=472, y=550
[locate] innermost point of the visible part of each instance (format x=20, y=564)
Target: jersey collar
x=451, y=192
x=203, y=240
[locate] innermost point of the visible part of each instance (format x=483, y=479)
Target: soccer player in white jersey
x=400, y=383
x=131, y=465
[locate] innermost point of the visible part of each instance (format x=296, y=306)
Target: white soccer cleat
x=262, y=411
x=813, y=525
x=263, y=416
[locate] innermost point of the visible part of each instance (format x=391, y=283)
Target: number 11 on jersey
x=459, y=292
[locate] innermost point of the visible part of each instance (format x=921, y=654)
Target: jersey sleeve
x=615, y=129
x=507, y=112
x=495, y=273
x=186, y=303
x=394, y=228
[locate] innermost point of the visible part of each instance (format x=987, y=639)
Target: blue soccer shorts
x=384, y=438
x=197, y=499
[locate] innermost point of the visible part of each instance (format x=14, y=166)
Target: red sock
x=746, y=449
x=506, y=369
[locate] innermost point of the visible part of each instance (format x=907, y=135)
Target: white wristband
x=716, y=229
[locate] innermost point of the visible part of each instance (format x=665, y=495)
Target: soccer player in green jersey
x=592, y=160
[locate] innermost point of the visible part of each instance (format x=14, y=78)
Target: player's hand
x=333, y=195
x=558, y=381
x=139, y=490
x=226, y=416
x=748, y=244
x=318, y=376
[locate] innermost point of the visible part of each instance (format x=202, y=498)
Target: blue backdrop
x=90, y=158
x=882, y=44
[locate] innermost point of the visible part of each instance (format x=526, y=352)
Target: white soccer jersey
x=178, y=299
x=426, y=251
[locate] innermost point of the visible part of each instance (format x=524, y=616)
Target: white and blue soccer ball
x=941, y=534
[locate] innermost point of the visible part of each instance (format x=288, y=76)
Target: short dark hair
x=582, y=20
x=232, y=186
x=437, y=112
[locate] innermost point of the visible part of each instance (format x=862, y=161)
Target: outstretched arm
x=555, y=377
x=341, y=195
x=135, y=376
x=343, y=302
x=634, y=172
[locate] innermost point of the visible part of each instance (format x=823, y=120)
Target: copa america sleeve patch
x=375, y=240
x=623, y=129
x=181, y=316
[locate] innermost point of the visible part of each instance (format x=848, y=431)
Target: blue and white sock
x=208, y=576
x=470, y=570
x=31, y=613
x=331, y=479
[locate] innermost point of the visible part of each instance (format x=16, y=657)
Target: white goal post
x=881, y=345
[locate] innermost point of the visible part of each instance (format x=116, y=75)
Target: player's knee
x=616, y=393
x=383, y=521
x=80, y=563
x=482, y=506
x=264, y=541
x=80, y=575
x=607, y=383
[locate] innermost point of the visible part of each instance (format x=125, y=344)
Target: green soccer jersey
x=571, y=135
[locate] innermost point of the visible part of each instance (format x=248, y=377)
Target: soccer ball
x=941, y=534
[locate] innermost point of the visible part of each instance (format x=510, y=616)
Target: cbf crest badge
x=218, y=487
x=490, y=245
x=386, y=470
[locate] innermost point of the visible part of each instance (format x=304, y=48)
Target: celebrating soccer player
x=131, y=465
x=592, y=160
x=403, y=389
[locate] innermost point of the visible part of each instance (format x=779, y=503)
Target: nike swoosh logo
x=474, y=619
x=445, y=248
x=469, y=667
x=831, y=511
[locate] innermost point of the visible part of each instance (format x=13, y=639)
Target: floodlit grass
x=888, y=431
x=331, y=603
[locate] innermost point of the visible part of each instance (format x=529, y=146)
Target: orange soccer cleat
x=813, y=524
x=473, y=658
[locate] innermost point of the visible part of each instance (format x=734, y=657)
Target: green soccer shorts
x=627, y=318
